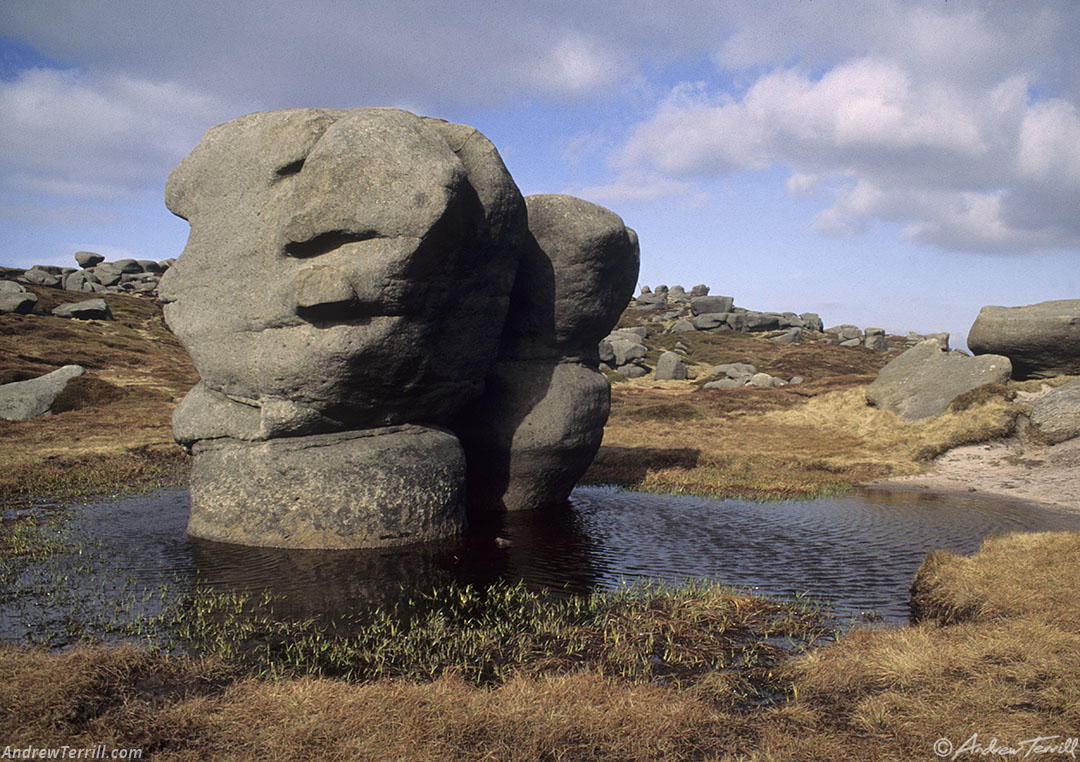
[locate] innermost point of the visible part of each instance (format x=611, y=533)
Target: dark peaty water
x=858, y=551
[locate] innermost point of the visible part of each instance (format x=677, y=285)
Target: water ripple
x=859, y=551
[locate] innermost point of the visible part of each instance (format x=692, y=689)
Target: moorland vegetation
x=696, y=672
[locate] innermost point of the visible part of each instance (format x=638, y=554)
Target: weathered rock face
x=346, y=293
x=1042, y=340
x=541, y=419
x=922, y=381
x=346, y=271
x=335, y=260
x=532, y=435
x=875, y=338
x=704, y=305
x=40, y=277
x=1056, y=417
x=34, y=398
x=573, y=284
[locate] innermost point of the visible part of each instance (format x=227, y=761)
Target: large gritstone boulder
x=1042, y=340
x=346, y=271
x=353, y=282
x=541, y=419
x=704, y=305
x=922, y=381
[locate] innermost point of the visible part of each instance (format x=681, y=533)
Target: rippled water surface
x=858, y=551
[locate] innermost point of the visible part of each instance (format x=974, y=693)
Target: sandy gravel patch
x=1011, y=468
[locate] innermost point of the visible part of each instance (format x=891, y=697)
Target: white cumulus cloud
x=972, y=168
x=575, y=65
x=65, y=135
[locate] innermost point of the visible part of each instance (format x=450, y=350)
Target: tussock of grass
x=1005, y=665
x=86, y=474
x=1031, y=575
x=883, y=437
x=575, y=717
x=642, y=673
x=666, y=411
x=902, y=689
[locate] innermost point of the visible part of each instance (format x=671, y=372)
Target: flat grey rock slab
x=34, y=398
x=632, y=371
x=922, y=381
x=734, y=370
x=727, y=383
x=40, y=277
x=704, y=305
x=682, y=326
x=91, y=309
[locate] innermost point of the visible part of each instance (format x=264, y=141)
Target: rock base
x=359, y=489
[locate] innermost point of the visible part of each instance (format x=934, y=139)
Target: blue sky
x=883, y=163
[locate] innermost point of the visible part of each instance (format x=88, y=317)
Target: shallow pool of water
x=858, y=551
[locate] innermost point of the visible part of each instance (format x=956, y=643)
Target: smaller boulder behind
x=671, y=367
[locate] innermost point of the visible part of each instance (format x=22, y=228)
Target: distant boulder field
x=124, y=276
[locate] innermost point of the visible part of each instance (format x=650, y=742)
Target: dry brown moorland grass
x=998, y=654
x=1007, y=667
x=792, y=441
x=1031, y=575
x=113, y=424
